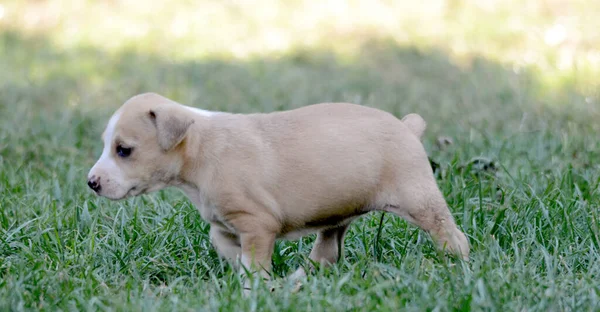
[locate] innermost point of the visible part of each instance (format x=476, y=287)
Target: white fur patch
x=299, y=274
x=246, y=262
x=202, y=112
x=106, y=164
x=109, y=134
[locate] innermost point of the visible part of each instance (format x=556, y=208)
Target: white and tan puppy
x=261, y=177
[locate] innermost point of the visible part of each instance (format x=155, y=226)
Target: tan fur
x=415, y=123
x=261, y=177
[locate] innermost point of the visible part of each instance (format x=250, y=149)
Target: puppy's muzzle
x=94, y=184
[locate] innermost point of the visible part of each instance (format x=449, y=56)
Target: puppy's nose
x=94, y=184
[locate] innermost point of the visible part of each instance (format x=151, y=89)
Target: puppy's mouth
x=135, y=191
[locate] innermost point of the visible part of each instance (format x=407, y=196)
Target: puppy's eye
x=123, y=151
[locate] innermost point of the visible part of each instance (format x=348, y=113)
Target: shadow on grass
x=74, y=90
x=397, y=78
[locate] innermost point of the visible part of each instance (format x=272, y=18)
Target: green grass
x=534, y=224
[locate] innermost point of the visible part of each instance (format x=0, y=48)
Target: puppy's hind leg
x=327, y=249
x=423, y=205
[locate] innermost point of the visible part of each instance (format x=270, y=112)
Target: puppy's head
x=142, y=147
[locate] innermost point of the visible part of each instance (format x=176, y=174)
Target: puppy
x=260, y=177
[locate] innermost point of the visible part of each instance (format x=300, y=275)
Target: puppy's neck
x=200, y=150
x=207, y=142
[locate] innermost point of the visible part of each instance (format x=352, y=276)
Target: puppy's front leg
x=227, y=244
x=257, y=250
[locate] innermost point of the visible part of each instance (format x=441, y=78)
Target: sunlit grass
x=557, y=39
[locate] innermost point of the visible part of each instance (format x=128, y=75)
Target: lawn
x=514, y=84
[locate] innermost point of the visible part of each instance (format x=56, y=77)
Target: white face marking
x=109, y=134
x=106, y=169
x=202, y=112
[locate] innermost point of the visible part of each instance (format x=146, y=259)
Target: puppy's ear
x=171, y=125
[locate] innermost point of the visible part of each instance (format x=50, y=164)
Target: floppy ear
x=171, y=125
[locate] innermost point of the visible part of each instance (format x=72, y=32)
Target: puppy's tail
x=416, y=124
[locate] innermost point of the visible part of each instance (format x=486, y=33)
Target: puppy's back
x=330, y=155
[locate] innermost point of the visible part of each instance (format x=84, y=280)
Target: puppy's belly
x=297, y=234
x=317, y=225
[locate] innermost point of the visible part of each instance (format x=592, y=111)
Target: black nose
x=94, y=184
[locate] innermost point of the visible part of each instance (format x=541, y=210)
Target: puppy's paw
x=274, y=285
x=298, y=275
x=297, y=287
